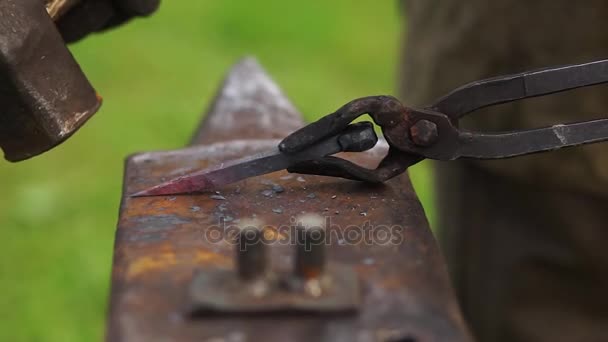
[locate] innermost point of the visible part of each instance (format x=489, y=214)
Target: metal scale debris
x=166, y=251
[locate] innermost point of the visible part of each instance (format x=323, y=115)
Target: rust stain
x=205, y=257
x=147, y=264
x=273, y=234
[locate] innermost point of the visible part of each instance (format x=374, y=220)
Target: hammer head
x=44, y=95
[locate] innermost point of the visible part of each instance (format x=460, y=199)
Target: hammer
x=44, y=95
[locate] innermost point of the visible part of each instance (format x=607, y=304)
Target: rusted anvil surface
x=162, y=242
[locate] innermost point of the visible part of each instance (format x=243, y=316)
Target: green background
x=58, y=212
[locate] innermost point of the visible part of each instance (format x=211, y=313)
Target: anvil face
x=168, y=254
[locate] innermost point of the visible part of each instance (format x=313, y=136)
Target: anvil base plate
x=220, y=291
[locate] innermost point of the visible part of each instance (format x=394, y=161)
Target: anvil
x=163, y=248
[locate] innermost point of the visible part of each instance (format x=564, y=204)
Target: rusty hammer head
x=44, y=95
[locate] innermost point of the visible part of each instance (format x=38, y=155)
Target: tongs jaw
x=386, y=111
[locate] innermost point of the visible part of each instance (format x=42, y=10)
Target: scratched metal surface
x=160, y=241
x=44, y=95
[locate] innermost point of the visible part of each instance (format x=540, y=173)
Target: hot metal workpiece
x=163, y=243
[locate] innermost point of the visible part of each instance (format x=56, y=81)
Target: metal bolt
x=424, y=133
x=310, y=247
x=251, y=253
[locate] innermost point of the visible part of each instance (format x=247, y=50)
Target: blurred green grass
x=58, y=212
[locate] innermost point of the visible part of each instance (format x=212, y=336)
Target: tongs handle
x=520, y=86
x=453, y=143
x=506, y=145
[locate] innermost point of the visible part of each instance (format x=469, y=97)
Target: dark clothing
x=524, y=237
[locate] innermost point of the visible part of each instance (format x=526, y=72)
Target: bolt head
x=424, y=133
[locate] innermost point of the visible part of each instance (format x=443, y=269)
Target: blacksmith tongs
x=413, y=134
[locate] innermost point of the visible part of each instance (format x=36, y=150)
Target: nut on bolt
x=424, y=133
